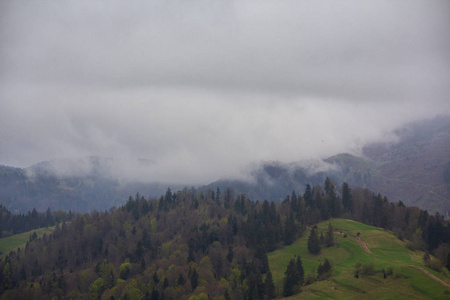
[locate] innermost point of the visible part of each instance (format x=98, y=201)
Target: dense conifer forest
x=17, y=223
x=211, y=244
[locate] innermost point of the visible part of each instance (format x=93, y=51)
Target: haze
x=203, y=89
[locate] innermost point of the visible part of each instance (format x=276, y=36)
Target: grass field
x=387, y=252
x=19, y=240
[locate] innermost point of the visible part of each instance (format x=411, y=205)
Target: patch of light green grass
x=388, y=252
x=13, y=242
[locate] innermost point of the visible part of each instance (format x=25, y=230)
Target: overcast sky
x=202, y=89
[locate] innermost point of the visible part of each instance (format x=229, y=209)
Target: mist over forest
x=202, y=90
x=243, y=149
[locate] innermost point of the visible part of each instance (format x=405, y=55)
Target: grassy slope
x=406, y=283
x=10, y=243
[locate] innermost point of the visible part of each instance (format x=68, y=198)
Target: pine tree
x=7, y=276
x=194, y=279
x=191, y=256
x=218, y=196
x=168, y=199
x=308, y=196
x=324, y=269
x=448, y=262
x=313, y=242
x=289, y=230
x=347, y=201
x=300, y=271
x=261, y=255
x=269, y=286
x=289, y=281
x=329, y=239
x=230, y=254
x=180, y=280
x=332, y=199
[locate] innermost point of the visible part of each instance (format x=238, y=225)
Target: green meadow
x=13, y=242
x=388, y=252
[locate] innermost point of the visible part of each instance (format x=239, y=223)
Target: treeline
x=426, y=232
x=17, y=223
x=191, y=243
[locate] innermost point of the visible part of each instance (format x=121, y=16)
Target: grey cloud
x=323, y=49
x=203, y=89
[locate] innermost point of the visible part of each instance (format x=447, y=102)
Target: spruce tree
x=324, y=269
x=289, y=281
x=308, y=196
x=289, y=230
x=313, y=242
x=269, y=286
x=261, y=255
x=347, y=201
x=329, y=239
x=194, y=279
x=300, y=271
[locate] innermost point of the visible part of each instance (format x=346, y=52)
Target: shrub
x=364, y=269
x=310, y=278
x=434, y=264
x=368, y=269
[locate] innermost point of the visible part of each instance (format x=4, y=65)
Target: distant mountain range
x=415, y=170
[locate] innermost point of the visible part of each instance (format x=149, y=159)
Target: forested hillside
x=22, y=190
x=185, y=243
x=11, y=224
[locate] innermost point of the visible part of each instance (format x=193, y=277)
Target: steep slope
x=387, y=269
x=413, y=169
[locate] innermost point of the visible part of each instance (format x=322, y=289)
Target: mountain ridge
x=412, y=170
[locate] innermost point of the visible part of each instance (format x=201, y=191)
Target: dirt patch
x=431, y=276
x=360, y=242
x=364, y=245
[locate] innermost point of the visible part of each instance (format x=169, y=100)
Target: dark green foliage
x=289, y=230
x=261, y=255
x=313, y=242
x=300, y=272
x=329, y=239
x=448, y=262
x=155, y=295
x=180, y=280
x=191, y=256
x=368, y=269
x=324, y=270
x=293, y=277
x=199, y=243
x=269, y=286
x=194, y=279
x=17, y=223
x=332, y=199
x=230, y=254
x=289, y=281
x=308, y=196
x=226, y=295
x=347, y=200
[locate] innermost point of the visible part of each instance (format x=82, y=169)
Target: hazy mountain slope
x=38, y=187
x=273, y=181
x=412, y=170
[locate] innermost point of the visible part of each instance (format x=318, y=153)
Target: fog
x=194, y=91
